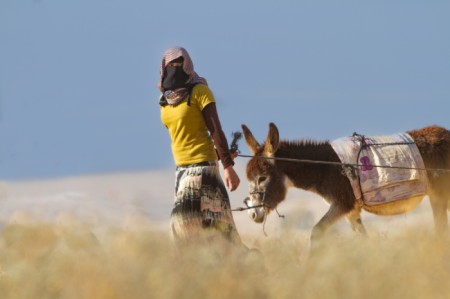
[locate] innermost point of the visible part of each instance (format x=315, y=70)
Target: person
x=189, y=112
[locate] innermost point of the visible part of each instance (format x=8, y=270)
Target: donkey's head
x=267, y=186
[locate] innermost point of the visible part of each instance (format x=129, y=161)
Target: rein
x=238, y=135
x=262, y=205
x=343, y=164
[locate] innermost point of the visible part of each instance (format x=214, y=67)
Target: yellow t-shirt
x=191, y=142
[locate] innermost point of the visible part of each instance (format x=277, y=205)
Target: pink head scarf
x=174, y=97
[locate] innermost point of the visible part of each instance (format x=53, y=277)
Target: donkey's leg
x=334, y=213
x=354, y=217
x=439, y=205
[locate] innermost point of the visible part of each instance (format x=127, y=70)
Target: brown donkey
x=269, y=178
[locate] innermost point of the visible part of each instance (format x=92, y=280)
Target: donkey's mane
x=304, y=143
x=303, y=148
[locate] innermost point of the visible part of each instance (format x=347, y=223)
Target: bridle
x=247, y=207
x=261, y=205
x=263, y=201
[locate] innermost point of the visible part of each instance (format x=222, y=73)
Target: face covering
x=175, y=78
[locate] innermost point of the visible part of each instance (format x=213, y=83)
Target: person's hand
x=231, y=178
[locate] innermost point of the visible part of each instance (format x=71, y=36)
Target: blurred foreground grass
x=44, y=261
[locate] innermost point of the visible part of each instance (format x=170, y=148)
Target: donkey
x=270, y=177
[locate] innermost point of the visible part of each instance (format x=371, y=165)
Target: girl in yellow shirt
x=189, y=113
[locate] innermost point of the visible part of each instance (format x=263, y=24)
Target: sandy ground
x=143, y=200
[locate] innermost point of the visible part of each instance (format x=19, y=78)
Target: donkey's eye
x=261, y=179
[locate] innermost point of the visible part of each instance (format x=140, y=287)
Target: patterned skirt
x=202, y=207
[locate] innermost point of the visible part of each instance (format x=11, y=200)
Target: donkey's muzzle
x=255, y=210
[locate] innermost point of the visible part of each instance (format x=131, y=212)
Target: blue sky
x=78, y=78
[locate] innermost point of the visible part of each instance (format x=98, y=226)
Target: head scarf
x=173, y=97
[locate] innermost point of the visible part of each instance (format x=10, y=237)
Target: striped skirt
x=202, y=207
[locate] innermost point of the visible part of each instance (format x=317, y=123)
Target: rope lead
x=343, y=164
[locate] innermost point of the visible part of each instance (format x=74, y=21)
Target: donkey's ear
x=250, y=139
x=272, y=141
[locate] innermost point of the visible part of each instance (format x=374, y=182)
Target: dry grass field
x=108, y=238
x=43, y=261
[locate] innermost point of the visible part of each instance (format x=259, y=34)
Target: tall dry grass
x=44, y=261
